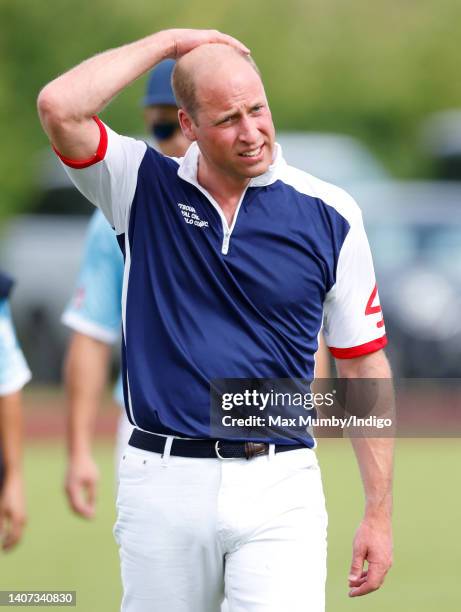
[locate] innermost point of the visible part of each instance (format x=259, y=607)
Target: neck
x=225, y=189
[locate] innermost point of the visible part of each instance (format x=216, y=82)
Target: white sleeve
x=109, y=178
x=14, y=373
x=95, y=308
x=353, y=320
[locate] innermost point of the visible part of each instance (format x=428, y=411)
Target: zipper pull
x=225, y=243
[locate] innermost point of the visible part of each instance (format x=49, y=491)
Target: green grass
x=427, y=519
x=60, y=551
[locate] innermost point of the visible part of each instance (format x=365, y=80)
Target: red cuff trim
x=361, y=349
x=79, y=164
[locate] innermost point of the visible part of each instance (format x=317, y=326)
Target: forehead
x=235, y=84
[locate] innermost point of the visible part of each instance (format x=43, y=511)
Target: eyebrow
x=228, y=115
x=231, y=114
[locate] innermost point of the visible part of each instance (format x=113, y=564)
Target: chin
x=259, y=168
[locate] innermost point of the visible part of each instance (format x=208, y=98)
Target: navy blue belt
x=205, y=449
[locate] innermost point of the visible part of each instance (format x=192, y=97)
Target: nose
x=248, y=132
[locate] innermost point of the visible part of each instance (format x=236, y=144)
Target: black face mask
x=163, y=130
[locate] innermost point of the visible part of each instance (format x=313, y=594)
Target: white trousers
x=124, y=430
x=191, y=531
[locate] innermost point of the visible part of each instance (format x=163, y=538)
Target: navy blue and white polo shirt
x=202, y=300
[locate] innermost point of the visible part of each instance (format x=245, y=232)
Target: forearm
x=85, y=380
x=82, y=409
x=86, y=89
x=375, y=460
x=374, y=453
x=11, y=433
x=12, y=500
x=67, y=104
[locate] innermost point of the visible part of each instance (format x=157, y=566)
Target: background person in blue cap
x=14, y=374
x=161, y=112
x=94, y=312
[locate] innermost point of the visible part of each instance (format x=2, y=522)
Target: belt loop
x=167, y=450
x=271, y=453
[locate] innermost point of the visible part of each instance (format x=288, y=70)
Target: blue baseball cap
x=6, y=284
x=159, y=90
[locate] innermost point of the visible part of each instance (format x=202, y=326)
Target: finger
x=230, y=40
x=358, y=559
x=184, y=43
x=360, y=580
x=363, y=589
x=77, y=499
x=377, y=572
x=14, y=533
x=374, y=579
x=3, y=529
x=91, y=496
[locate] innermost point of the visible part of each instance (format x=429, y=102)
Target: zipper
x=188, y=172
x=225, y=242
x=227, y=231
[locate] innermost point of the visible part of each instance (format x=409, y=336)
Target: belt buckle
x=218, y=454
x=255, y=449
x=251, y=449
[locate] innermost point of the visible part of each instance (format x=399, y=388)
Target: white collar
x=189, y=163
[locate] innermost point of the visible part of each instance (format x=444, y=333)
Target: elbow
x=47, y=105
x=50, y=109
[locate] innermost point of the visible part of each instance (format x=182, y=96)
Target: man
x=231, y=257
x=14, y=374
x=94, y=313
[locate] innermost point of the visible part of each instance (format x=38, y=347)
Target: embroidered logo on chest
x=190, y=215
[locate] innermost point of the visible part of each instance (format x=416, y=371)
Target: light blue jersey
x=95, y=308
x=14, y=373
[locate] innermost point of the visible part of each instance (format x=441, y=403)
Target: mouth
x=253, y=154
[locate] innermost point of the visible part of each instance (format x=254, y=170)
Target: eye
x=257, y=108
x=226, y=120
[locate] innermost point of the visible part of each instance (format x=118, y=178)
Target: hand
x=373, y=543
x=12, y=511
x=81, y=485
x=184, y=41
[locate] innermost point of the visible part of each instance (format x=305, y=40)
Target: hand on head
x=185, y=40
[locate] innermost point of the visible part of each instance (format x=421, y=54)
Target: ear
x=187, y=125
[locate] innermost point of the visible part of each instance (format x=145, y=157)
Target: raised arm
x=373, y=539
x=67, y=104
